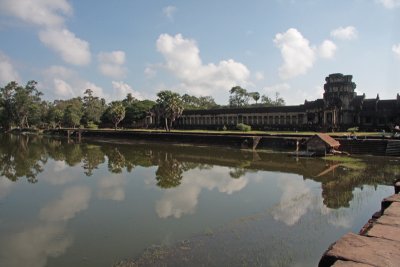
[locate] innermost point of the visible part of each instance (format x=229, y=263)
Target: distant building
x=339, y=109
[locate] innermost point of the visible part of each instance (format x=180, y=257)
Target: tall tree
x=279, y=101
x=117, y=113
x=202, y=102
x=54, y=116
x=20, y=104
x=129, y=100
x=92, y=107
x=26, y=103
x=169, y=106
x=267, y=101
x=7, y=105
x=137, y=111
x=255, y=96
x=239, y=97
x=72, y=116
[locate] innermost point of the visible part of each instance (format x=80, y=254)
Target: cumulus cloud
x=72, y=201
x=396, y=50
x=298, y=56
x=182, y=59
x=295, y=201
x=169, y=12
x=345, y=33
x=72, y=49
x=35, y=244
x=327, y=49
x=62, y=82
x=183, y=199
x=111, y=64
x=48, y=13
x=121, y=89
x=390, y=4
x=112, y=188
x=7, y=71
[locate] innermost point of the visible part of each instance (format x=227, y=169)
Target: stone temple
x=339, y=109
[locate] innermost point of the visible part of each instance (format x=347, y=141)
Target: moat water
x=64, y=203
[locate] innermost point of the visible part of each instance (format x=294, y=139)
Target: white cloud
x=298, y=55
x=327, y=49
x=49, y=238
x=259, y=76
x=295, y=201
x=169, y=12
x=121, y=89
x=62, y=88
x=110, y=64
x=72, y=49
x=276, y=88
x=64, y=83
x=396, y=50
x=72, y=201
x=183, y=60
x=34, y=245
x=390, y=4
x=48, y=13
x=97, y=90
x=7, y=71
x=345, y=33
x=112, y=188
x=183, y=199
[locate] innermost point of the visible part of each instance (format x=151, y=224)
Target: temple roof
x=387, y=104
x=369, y=104
x=316, y=104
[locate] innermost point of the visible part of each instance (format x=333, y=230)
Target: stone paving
x=378, y=243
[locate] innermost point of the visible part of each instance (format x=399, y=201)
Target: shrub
x=92, y=125
x=353, y=129
x=243, y=127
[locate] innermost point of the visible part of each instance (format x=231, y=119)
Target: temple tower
x=338, y=95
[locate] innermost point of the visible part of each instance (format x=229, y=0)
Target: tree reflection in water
x=24, y=156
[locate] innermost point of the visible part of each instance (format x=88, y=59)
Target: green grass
x=342, y=159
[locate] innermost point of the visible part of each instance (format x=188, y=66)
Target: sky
x=203, y=48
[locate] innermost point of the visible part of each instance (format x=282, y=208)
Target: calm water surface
x=105, y=204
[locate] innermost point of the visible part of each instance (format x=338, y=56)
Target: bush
x=92, y=125
x=243, y=127
x=353, y=129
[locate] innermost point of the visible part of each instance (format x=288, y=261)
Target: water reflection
x=184, y=198
x=24, y=156
x=112, y=188
x=47, y=237
x=61, y=199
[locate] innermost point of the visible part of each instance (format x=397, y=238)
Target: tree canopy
x=23, y=107
x=169, y=107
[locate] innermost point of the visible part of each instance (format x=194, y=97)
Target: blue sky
x=200, y=47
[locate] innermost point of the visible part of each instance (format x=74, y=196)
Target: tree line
x=23, y=107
